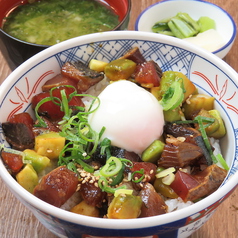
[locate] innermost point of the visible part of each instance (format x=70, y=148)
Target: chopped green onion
x=222, y=161
x=168, y=179
x=103, y=185
x=165, y=172
x=86, y=166
x=83, y=141
x=128, y=163
x=17, y=152
x=41, y=122
x=105, y=147
x=205, y=138
x=138, y=180
x=65, y=105
x=72, y=166
x=173, y=97
x=118, y=178
x=207, y=120
x=112, y=167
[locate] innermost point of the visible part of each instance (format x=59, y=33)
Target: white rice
x=216, y=145
x=176, y=204
x=217, y=149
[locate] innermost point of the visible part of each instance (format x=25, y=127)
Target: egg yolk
x=132, y=116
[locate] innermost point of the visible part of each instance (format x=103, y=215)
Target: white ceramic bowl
x=209, y=73
x=225, y=24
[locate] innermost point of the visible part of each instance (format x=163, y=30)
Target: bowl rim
x=111, y=223
x=127, y=15
x=234, y=32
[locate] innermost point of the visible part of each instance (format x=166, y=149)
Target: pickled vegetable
x=164, y=189
x=124, y=207
x=221, y=131
x=169, y=77
x=162, y=27
x=206, y=23
x=153, y=152
x=190, y=21
x=119, y=69
x=196, y=103
x=183, y=25
x=173, y=115
x=212, y=127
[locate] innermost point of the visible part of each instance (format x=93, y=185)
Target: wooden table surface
x=16, y=221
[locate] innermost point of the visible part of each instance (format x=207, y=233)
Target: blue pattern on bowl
x=213, y=82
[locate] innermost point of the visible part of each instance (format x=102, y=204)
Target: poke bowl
x=24, y=43
x=219, y=39
x=210, y=76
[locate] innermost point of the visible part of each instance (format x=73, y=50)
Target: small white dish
x=225, y=25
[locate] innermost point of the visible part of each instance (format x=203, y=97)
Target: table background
x=18, y=222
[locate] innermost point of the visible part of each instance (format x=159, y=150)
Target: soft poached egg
x=132, y=116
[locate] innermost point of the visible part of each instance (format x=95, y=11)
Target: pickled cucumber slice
x=206, y=23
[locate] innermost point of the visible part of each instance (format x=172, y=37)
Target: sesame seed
x=91, y=181
x=83, y=174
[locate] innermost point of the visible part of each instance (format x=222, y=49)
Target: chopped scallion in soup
x=49, y=22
